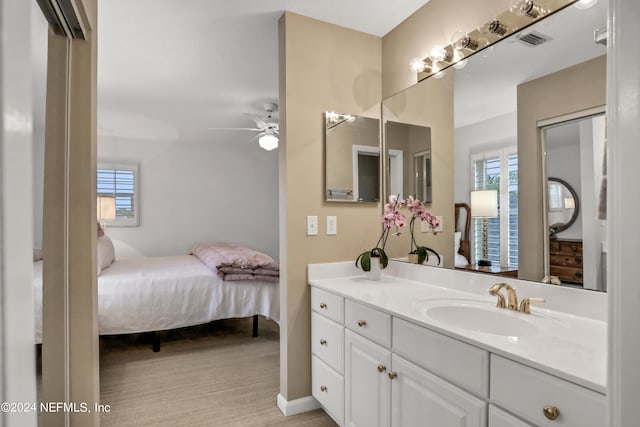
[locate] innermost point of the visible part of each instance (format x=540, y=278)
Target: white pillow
x=458, y=237
x=106, y=253
x=461, y=261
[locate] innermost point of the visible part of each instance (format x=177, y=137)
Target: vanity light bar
x=522, y=13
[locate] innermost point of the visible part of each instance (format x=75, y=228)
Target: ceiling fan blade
x=252, y=129
x=255, y=138
x=258, y=121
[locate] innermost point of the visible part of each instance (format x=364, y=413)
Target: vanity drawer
x=327, y=341
x=462, y=364
x=567, y=274
x=327, y=304
x=368, y=322
x=328, y=389
x=526, y=392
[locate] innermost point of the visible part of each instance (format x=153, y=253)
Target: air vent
x=533, y=39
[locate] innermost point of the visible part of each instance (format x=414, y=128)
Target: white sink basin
x=479, y=316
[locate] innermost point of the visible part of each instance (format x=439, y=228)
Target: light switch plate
x=332, y=225
x=312, y=225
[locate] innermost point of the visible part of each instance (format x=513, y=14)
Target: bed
x=161, y=293
x=463, y=227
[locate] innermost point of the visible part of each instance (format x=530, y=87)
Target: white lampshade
x=268, y=142
x=484, y=204
x=106, y=208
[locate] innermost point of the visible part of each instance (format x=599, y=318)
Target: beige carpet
x=212, y=375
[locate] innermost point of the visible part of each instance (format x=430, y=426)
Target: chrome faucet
x=511, y=294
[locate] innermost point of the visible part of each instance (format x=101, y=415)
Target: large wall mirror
x=352, y=158
x=502, y=102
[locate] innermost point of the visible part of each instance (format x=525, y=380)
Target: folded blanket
x=235, y=262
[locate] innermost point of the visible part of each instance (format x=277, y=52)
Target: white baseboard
x=298, y=406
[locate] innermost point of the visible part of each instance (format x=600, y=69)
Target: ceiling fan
x=267, y=128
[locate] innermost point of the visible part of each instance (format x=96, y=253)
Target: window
x=498, y=171
x=120, y=181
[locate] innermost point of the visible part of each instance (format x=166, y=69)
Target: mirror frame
x=332, y=120
x=576, y=210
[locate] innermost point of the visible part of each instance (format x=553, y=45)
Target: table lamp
x=106, y=209
x=484, y=204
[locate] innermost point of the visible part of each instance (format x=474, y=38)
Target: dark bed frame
x=156, y=335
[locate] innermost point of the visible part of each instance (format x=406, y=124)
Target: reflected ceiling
x=486, y=87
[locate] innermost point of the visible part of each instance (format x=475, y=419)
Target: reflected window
x=120, y=181
x=498, y=170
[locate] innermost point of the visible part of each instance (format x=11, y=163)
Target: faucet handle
x=524, y=305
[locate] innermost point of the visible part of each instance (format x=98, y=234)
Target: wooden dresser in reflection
x=565, y=260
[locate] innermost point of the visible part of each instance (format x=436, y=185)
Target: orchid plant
x=392, y=218
x=418, y=211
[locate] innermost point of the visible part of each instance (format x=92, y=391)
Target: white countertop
x=570, y=346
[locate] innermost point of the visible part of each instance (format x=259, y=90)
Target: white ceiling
x=486, y=87
x=170, y=69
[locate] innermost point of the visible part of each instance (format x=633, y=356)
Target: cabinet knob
x=574, y=248
x=393, y=375
x=323, y=388
x=381, y=368
x=323, y=342
x=362, y=323
x=323, y=305
x=551, y=412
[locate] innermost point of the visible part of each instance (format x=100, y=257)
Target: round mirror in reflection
x=562, y=205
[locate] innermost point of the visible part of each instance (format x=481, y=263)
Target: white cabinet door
x=499, y=418
x=367, y=386
x=422, y=399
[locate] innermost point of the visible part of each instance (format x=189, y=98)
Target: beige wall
x=322, y=67
x=573, y=89
x=428, y=28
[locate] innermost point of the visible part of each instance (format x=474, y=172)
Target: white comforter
x=159, y=293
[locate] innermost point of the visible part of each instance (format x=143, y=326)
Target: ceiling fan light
x=268, y=142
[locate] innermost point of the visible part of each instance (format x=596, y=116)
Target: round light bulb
x=528, y=8
x=461, y=64
x=439, y=74
x=439, y=54
x=268, y=142
x=585, y=4
x=417, y=65
x=496, y=27
x=461, y=40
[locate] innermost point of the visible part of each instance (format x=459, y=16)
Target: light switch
x=312, y=225
x=332, y=225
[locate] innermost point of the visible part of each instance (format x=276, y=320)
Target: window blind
x=119, y=183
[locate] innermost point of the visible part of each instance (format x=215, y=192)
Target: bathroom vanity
x=429, y=347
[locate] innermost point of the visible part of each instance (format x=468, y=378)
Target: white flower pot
x=376, y=270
